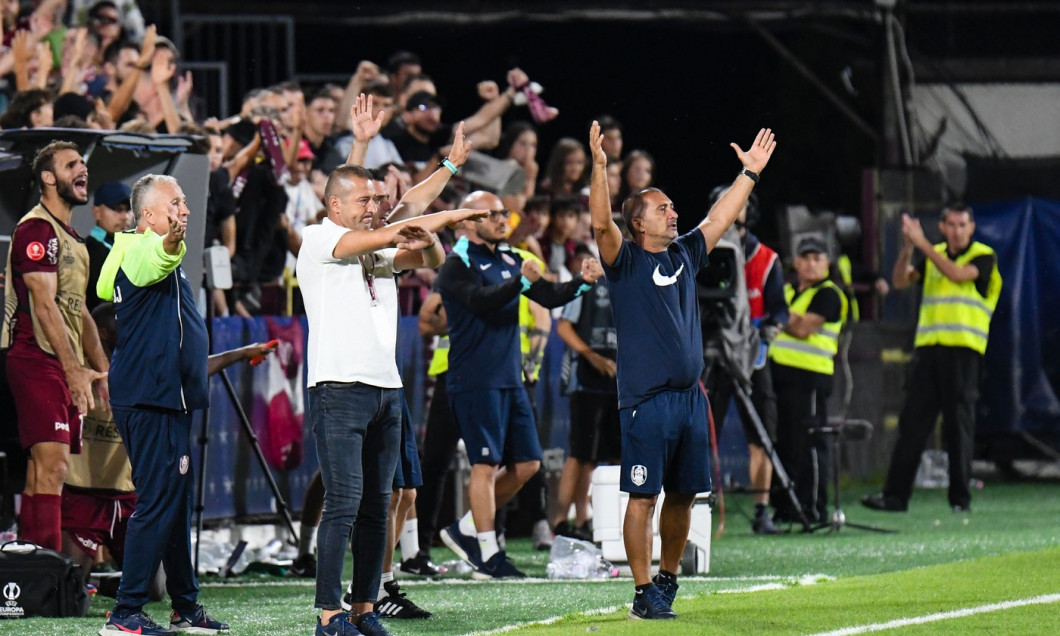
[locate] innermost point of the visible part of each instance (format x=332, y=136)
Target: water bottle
x=457, y=566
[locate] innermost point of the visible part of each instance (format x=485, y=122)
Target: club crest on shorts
x=639, y=474
x=184, y=462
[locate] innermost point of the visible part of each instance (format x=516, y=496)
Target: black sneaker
x=196, y=621
x=369, y=625
x=667, y=585
x=763, y=524
x=499, y=566
x=569, y=530
x=465, y=547
x=396, y=605
x=883, y=502
x=304, y=567
x=420, y=565
x=650, y=604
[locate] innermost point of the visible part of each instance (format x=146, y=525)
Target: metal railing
x=259, y=49
x=211, y=89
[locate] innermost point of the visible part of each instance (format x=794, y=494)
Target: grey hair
x=142, y=189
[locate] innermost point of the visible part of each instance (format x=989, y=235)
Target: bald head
x=494, y=228
x=481, y=200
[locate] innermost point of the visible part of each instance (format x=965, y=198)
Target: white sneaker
x=542, y=536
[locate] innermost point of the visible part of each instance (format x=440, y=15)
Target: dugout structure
x=111, y=156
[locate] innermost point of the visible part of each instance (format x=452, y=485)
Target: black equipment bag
x=36, y=581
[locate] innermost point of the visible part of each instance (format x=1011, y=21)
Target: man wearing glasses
x=480, y=285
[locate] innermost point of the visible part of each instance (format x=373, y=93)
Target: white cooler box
x=609, y=510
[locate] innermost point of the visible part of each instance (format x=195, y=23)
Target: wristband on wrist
x=448, y=165
x=753, y=176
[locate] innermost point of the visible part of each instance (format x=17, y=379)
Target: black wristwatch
x=753, y=176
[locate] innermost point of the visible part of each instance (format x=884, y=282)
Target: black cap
x=422, y=98
x=242, y=131
x=72, y=104
x=112, y=194
x=811, y=244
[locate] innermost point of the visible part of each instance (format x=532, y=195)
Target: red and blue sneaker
x=138, y=623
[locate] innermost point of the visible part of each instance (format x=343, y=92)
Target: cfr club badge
x=35, y=251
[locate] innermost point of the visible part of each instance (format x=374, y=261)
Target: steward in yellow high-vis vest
x=961, y=289
x=816, y=352
x=846, y=274
x=802, y=359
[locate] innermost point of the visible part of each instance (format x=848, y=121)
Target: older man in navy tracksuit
x=159, y=370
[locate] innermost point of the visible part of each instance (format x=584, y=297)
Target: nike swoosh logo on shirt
x=486, y=266
x=664, y=281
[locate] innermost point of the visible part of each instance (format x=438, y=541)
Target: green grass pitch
x=994, y=571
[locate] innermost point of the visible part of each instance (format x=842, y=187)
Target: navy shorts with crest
x=666, y=444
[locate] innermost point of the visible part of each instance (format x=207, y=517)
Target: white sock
x=306, y=539
x=487, y=544
x=410, y=539
x=383, y=580
x=467, y=525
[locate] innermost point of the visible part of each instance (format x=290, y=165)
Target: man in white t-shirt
x=346, y=273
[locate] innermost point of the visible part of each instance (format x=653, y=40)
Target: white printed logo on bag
x=12, y=591
x=11, y=608
x=184, y=462
x=639, y=474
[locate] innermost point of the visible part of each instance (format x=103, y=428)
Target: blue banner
x=1022, y=370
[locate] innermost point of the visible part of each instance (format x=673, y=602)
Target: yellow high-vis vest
x=846, y=272
x=440, y=357
x=955, y=314
x=526, y=317
x=816, y=352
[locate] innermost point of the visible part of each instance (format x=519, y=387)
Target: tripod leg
x=834, y=447
x=281, y=503
x=200, y=491
x=771, y=452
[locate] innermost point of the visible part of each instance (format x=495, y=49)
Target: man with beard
x=51, y=336
x=481, y=283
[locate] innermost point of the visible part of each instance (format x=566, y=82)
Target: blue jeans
x=358, y=435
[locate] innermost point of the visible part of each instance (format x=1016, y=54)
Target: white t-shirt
x=352, y=338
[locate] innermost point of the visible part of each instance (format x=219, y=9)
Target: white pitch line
x=617, y=608
x=802, y=578
x=942, y=616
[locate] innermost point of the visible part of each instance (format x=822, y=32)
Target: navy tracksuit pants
x=159, y=447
